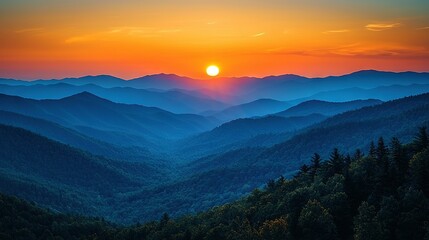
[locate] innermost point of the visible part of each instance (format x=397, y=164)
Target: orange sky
x=56, y=39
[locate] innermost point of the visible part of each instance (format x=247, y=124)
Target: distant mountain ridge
x=177, y=101
x=233, y=134
x=200, y=184
x=326, y=108
x=87, y=110
x=287, y=83
x=255, y=108
x=78, y=139
x=64, y=178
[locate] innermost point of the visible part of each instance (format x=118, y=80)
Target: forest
x=383, y=194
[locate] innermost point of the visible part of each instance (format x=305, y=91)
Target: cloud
x=169, y=30
x=358, y=50
x=258, y=34
x=423, y=28
x=377, y=27
x=337, y=31
x=144, y=32
x=83, y=38
x=25, y=30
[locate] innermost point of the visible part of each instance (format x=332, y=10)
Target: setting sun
x=212, y=70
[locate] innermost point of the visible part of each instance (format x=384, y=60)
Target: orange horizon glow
x=43, y=39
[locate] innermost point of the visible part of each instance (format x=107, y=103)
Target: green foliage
x=367, y=226
x=316, y=222
x=345, y=198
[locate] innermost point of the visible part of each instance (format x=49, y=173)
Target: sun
x=212, y=70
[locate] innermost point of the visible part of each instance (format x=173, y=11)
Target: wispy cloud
x=212, y=23
x=83, y=38
x=377, y=27
x=423, y=28
x=25, y=30
x=258, y=34
x=358, y=50
x=144, y=32
x=337, y=31
x=170, y=30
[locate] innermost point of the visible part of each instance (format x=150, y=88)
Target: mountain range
x=128, y=150
x=85, y=111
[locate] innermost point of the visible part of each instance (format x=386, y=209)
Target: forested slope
x=380, y=195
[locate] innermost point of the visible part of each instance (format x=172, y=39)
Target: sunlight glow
x=212, y=70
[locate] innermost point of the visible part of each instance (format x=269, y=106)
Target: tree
x=357, y=155
x=315, y=164
x=382, y=151
x=388, y=216
x=335, y=162
x=366, y=224
x=383, y=161
x=316, y=222
x=304, y=169
x=419, y=168
x=372, y=151
x=413, y=214
x=421, y=141
x=397, y=155
x=274, y=229
x=164, y=220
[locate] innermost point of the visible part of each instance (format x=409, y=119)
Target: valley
x=143, y=161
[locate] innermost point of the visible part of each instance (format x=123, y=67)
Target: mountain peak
x=86, y=96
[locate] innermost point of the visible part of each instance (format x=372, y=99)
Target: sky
x=43, y=39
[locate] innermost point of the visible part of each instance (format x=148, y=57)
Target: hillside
x=87, y=110
x=76, y=139
x=325, y=108
x=64, y=178
x=200, y=184
x=381, y=195
x=173, y=100
x=255, y=108
x=384, y=93
x=235, y=133
x=247, y=89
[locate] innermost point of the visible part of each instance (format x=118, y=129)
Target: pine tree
x=366, y=225
x=381, y=151
x=382, y=159
x=357, y=155
x=399, y=162
x=316, y=222
x=315, y=164
x=335, y=162
x=164, y=220
x=304, y=169
x=372, y=151
x=421, y=141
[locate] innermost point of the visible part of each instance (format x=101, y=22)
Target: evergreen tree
x=304, y=169
x=382, y=151
x=316, y=222
x=382, y=160
x=274, y=229
x=421, y=141
x=366, y=224
x=164, y=220
x=357, y=155
x=335, y=162
x=399, y=163
x=372, y=150
x=419, y=168
x=315, y=164
x=388, y=216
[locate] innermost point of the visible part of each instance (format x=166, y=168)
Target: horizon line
x=183, y=76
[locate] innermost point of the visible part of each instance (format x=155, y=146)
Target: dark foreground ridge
x=380, y=195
